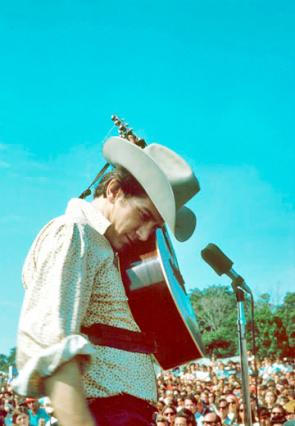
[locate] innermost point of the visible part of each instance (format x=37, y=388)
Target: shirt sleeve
x=58, y=276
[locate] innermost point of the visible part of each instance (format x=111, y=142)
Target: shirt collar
x=83, y=211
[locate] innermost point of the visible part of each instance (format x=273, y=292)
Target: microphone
x=223, y=265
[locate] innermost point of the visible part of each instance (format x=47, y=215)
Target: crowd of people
x=210, y=394
x=201, y=393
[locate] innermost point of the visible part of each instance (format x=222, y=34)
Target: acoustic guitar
x=157, y=296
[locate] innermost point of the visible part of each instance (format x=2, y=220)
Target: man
x=190, y=403
x=278, y=414
x=35, y=412
x=232, y=407
x=72, y=282
x=198, y=408
x=263, y=416
x=185, y=418
x=204, y=397
x=223, y=412
x=161, y=420
x=211, y=419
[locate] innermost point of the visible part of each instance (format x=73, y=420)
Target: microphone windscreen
x=216, y=259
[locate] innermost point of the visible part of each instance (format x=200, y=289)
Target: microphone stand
x=241, y=323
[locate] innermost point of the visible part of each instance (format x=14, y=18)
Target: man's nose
x=144, y=232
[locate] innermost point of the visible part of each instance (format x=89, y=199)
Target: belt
x=120, y=338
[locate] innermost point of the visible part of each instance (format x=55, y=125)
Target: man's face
x=232, y=404
x=270, y=397
x=133, y=219
x=22, y=420
x=189, y=405
x=34, y=405
x=180, y=421
x=277, y=412
x=223, y=409
x=210, y=419
x=204, y=397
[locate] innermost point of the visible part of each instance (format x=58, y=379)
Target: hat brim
x=186, y=222
x=119, y=151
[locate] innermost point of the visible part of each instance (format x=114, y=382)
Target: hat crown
x=183, y=182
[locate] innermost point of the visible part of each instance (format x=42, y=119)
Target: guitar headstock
x=126, y=133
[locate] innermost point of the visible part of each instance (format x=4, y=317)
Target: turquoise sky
x=212, y=79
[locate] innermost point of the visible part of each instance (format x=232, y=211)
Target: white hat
x=166, y=178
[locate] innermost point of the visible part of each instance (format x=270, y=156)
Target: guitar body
x=159, y=303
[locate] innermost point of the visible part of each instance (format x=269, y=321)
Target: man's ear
x=113, y=190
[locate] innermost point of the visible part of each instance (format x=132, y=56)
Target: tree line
x=274, y=325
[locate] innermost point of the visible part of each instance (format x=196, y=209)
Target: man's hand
x=65, y=391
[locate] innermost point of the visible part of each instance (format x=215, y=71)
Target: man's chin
x=121, y=246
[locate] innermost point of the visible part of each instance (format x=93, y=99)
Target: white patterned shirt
x=71, y=280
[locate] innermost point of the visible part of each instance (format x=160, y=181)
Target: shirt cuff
x=30, y=380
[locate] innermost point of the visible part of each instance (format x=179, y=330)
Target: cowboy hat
x=166, y=178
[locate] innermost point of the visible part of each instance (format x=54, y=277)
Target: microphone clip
x=237, y=285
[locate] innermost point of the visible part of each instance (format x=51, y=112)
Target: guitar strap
x=120, y=338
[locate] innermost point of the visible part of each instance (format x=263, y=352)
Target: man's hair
x=277, y=405
x=161, y=418
x=188, y=415
x=129, y=185
x=192, y=398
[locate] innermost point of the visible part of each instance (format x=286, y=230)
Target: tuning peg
x=116, y=120
x=141, y=142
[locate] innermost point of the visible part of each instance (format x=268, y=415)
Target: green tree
x=3, y=363
x=215, y=308
x=286, y=312
x=271, y=337
x=7, y=360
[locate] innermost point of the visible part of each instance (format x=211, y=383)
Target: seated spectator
x=161, y=420
x=160, y=405
x=185, y=418
x=190, y=403
x=180, y=403
x=278, y=415
x=241, y=417
x=169, y=411
x=20, y=419
x=198, y=408
x=223, y=412
x=270, y=398
x=233, y=407
x=204, y=397
x=263, y=416
x=35, y=412
x=220, y=371
x=212, y=404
